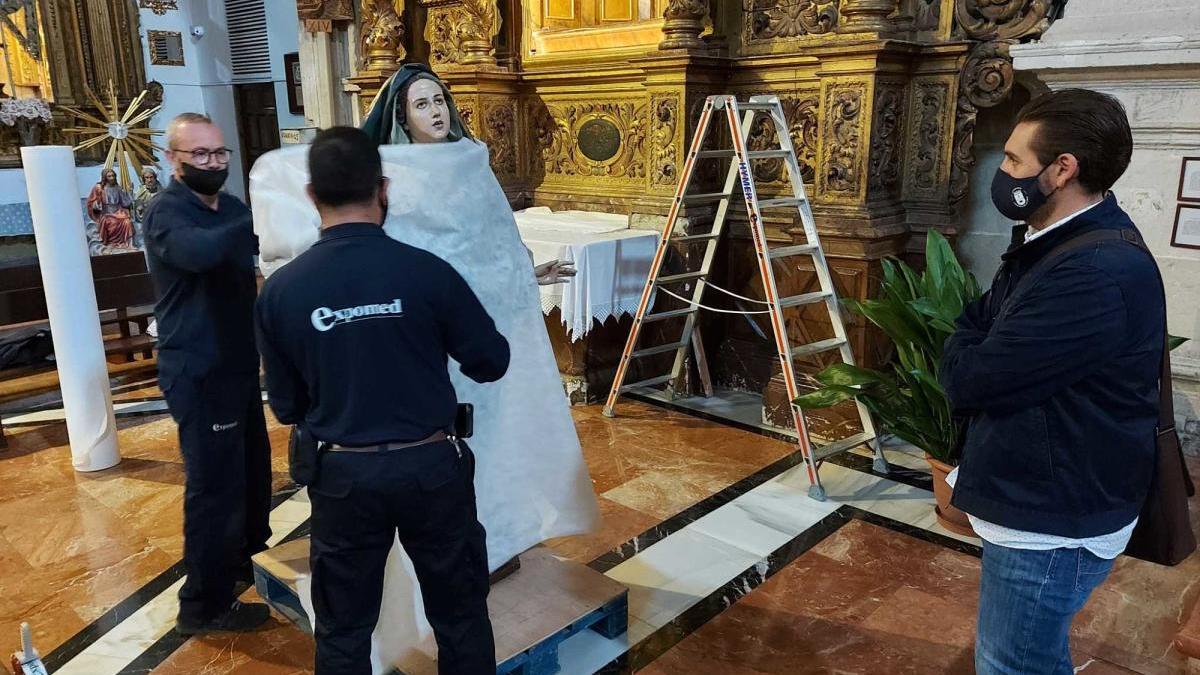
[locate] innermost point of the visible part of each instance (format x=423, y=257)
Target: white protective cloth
x=531, y=481
x=611, y=261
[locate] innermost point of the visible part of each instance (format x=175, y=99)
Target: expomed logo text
x=324, y=318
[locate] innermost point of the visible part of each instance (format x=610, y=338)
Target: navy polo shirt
x=355, y=335
x=202, y=263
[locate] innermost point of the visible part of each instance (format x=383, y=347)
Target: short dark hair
x=1087, y=124
x=344, y=166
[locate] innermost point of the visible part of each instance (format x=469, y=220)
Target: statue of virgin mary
x=531, y=481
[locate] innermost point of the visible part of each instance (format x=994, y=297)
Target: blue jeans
x=1027, y=600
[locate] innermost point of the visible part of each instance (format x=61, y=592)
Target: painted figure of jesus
x=108, y=205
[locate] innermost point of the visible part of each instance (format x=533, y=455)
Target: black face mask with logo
x=1018, y=198
x=205, y=181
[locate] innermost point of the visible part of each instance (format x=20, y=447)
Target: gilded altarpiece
x=879, y=97
x=87, y=45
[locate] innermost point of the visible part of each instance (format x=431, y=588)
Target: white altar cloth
x=612, y=262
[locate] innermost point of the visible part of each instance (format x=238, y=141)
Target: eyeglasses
x=205, y=155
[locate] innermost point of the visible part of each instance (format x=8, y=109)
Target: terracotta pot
x=948, y=517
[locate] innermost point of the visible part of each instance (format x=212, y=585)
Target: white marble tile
x=667, y=578
x=141, y=629
x=93, y=664
x=765, y=518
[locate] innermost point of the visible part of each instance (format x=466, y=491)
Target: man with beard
x=200, y=245
x=1058, y=368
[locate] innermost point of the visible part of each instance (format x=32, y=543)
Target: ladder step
x=645, y=383
x=778, y=203
x=756, y=106
x=695, y=237
x=787, y=251
x=754, y=154
x=661, y=349
x=805, y=299
x=676, y=278
x=817, y=347
x=663, y=316
x=705, y=197
x=842, y=445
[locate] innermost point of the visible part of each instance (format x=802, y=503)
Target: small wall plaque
x=1189, y=180
x=1186, y=233
x=295, y=92
x=599, y=140
x=166, y=47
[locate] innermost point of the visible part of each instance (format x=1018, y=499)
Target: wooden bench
x=124, y=295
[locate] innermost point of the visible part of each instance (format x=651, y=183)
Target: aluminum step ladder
x=740, y=117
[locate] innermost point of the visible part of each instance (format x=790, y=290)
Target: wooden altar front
x=590, y=104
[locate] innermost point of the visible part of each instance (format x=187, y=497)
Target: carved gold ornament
x=1003, y=19
x=159, y=7
x=791, y=18
x=130, y=148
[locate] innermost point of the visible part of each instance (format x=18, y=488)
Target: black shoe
x=241, y=617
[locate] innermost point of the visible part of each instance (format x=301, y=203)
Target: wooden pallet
x=533, y=610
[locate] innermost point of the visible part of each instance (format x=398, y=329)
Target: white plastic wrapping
x=71, y=304
x=531, y=480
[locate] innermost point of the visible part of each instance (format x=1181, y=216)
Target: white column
x=71, y=304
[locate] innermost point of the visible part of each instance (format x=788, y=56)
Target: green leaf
x=848, y=375
x=826, y=397
x=938, y=255
x=1174, y=341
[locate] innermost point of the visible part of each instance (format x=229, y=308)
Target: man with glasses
x=200, y=245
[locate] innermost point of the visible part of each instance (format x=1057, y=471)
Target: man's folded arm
x=1072, y=320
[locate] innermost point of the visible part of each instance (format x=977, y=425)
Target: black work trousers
x=426, y=495
x=227, y=485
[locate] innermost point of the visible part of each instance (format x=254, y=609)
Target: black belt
x=389, y=447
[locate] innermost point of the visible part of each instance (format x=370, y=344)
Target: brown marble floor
x=865, y=600
x=871, y=600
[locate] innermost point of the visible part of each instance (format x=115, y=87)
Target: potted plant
x=917, y=312
x=28, y=115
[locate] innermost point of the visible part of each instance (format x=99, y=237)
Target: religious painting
x=1189, y=180
x=1186, y=233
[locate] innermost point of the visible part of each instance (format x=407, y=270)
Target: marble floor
x=731, y=568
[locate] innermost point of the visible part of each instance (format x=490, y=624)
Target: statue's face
x=427, y=112
x=109, y=177
x=150, y=178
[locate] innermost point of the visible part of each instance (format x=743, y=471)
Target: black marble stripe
x=849, y=460
x=95, y=630
x=693, y=513
x=914, y=531
x=708, y=608
x=160, y=651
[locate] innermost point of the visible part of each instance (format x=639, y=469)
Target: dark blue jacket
x=1061, y=384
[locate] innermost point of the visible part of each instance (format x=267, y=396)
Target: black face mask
x=207, y=182
x=1018, y=198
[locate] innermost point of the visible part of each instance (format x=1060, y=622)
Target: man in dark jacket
x=1059, y=375
x=200, y=247
x=355, y=335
